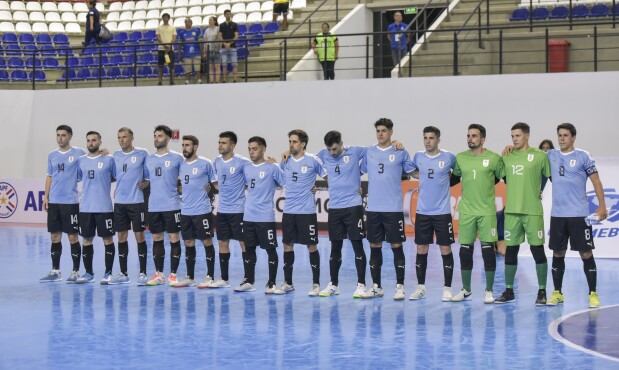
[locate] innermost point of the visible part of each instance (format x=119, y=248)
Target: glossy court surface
x=57, y=325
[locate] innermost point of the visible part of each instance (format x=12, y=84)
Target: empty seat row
x=48, y=6
x=31, y=49
x=116, y=73
x=49, y=17
x=563, y=12
x=24, y=27
x=28, y=38
x=563, y=2
x=158, y=4
x=20, y=76
x=129, y=15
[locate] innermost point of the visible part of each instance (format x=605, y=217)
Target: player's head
x=384, y=131
x=188, y=23
x=397, y=16
x=297, y=141
x=64, y=134
x=227, y=142
x=165, y=17
x=475, y=136
x=190, y=146
x=333, y=142
x=546, y=145
x=256, y=146
x=228, y=15
x=93, y=141
x=125, y=138
x=162, y=136
x=566, y=135
x=431, y=138
x=520, y=135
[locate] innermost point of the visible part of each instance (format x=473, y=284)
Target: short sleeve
x=50, y=169
x=278, y=176
x=456, y=168
x=319, y=167
x=545, y=166
x=407, y=164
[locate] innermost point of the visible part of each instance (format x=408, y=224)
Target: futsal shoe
x=186, y=282
x=220, y=283
x=400, y=294
x=508, y=296
x=330, y=290
x=52, y=277
x=207, y=282
x=85, y=279
x=119, y=279
x=594, y=300
x=315, y=291
x=463, y=295
x=245, y=286
x=360, y=291
x=142, y=279
x=374, y=292
x=541, y=298
x=73, y=277
x=555, y=299
x=447, y=296
x=172, y=280
x=285, y=288
x=270, y=288
x=158, y=279
x=106, y=278
x=488, y=297
x=419, y=293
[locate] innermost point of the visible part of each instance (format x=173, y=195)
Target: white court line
x=553, y=330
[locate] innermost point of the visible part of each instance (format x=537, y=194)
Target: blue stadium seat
x=166, y=71
x=144, y=72
x=135, y=36
x=47, y=50
x=26, y=38
x=149, y=35
x=104, y=60
x=113, y=72
x=37, y=76
x=242, y=53
x=559, y=12
x=521, y=14
x=271, y=27
x=95, y=74
x=540, y=13
x=2, y=63
x=147, y=58
x=255, y=28
x=130, y=46
x=43, y=38
x=88, y=61
x=36, y=61
x=83, y=74
x=88, y=50
x=12, y=49
x=580, y=11
x=19, y=75
x=129, y=59
x=71, y=76
x=16, y=62
x=61, y=39
x=28, y=49
x=9, y=38
x=242, y=29
x=118, y=49
x=116, y=60
x=127, y=73
x=599, y=10
x=179, y=69
x=120, y=38
x=256, y=40
x=241, y=41
x=4, y=75
x=50, y=63
x=616, y=10
x=73, y=62
x=147, y=47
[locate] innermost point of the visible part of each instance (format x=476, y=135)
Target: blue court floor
x=56, y=325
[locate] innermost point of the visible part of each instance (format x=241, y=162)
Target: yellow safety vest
x=330, y=40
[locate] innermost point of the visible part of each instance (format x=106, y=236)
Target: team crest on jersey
x=530, y=157
x=167, y=163
x=346, y=159
x=441, y=164
x=194, y=171
x=71, y=159
x=572, y=162
x=134, y=159
x=100, y=165
x=391, y=157
x=232, y=170
x=261, y=175
x=485, y=162
x=303, y=169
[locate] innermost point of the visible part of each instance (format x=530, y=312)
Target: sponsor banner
x=22, y=201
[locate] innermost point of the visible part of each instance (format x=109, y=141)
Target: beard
x=93, y=150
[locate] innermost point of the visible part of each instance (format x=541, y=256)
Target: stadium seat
x=239, y=18
x=113, y=73
x=15, y=62
x=52, y=17
x=70, y=74
x=26, y=38
x=29, y=49
x=18, y=6
x=242, y=53
x=144, y=72
x=33, y=6
x=37, y=76
x=179, y=69
x=255, y=28
x=139, y=15
x=81, y=18
x=5, y=15
x=256, y=40
x=147, y=58
x=116, y=60
x=239, y=8
x=254, y=17
x=33, y=62
x=599, y=10
x=194, y=2
x=120, y=38
x=112, y=17
x=126, y=16
x=12, y=49
x=68, y=18
x=83, y=74
x=2, y=63
x=138, y=25
x=268, y=16
x=19, y=75
x=559, y=12
x=47, y=50
x=616, y=10
x=179, y=23
x=87, y=61
x=241, y=41
x=61, y=39
x=95, y=74
x=141, y=5
x=7, y=27
x=242, y=29
x=72, y=62
x=4, y=5
x=9, y=38
x=124, y=26
x=580, y=11
x=197, y=21
x=135, y=36
x=267, y=6
x=43, y=38
x=56, y=28
x=65, y=7
x=22, y=27
x=521, y=14
x=115, y=7
x=193, y=11
x=40, y=27
x=112, y=26
x=36, y=17
x=149, y=35
x=49, y=6
x=50, y=63
x=169, y=11
x=128, y=72
x=221, y=19
x=180, y=13
x=152, y=24
x=181, y=3
x=4, y=75
x=20, y=17
x=271, y=27
x=220, y=8
x=128, y=5
x=540, y=13
x=298, y=4
x=153, y=14
x=73, y=28
x=167, y=4
x=80, y=8
x=209, y=10
x=154, y=4
x=254, y=7
x=128, y=59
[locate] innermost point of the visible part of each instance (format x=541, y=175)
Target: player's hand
x=271, y=159
x=285, y=155
x=143, y=185
x=208, y=187
x=602, y=213
x=104, y=151
x=508, y=149
x=415, y=174
x=314, y=189
x=360, y=191
x=398, y=145
x=45, y=204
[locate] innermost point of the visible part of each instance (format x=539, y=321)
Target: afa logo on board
x=8, y=200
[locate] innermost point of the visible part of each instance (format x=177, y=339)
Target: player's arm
x=508, y=149
x=397, y=145
x=48, y=185
x=599, y=193
x=454, y=180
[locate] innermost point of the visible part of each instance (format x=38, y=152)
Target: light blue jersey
x=130, y=173
x=434, y=173
x=300, y=178
x=261, y=181
x=231, y=184
x=162, y=172
x=570, y=172
x=195, y=176
x=96, y=175
x=385, y=167
x=62, y=167
x=344, y=176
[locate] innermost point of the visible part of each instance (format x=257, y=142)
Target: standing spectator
x=546, y=145
x=189, y=52
x=166, y=36
x=281, y=7
x=398, y=38
x=229, y=33
x=326, y=47
x=211, y=49
x=93, y=24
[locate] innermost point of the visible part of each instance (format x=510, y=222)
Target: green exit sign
x=410, y=11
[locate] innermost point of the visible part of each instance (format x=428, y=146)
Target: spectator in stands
x=326, y=47
x=93, y=24
x=281, y=7
x=211, y=49
x=229, y=33
x=546, y=145
x=189, y=53
x=398, y=38
x=166, y=37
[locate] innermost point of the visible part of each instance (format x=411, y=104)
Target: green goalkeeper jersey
x=478, y=174
x=523, y=170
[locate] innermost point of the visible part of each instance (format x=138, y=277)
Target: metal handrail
x=309, y=16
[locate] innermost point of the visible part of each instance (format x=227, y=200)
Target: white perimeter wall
x=271, y=109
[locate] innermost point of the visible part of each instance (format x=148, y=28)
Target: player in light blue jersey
x=433, y=210
x=161, y=169
x=129, y=207
x=61, y=203
x=261, y=178
x=231, y=186
x=96, y=172
x=385, y=166
x=299, y=221
x=196, y=175
x=570, y=169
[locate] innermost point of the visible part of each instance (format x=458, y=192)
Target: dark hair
x=194, y=140
x=477, y=126
x=433, y=130
x=230, y=135
x=93, y=2
x=301, y=134
x=94, y=133
x=522, y=126
x=126, y=129
x=227, y=11
x=257, y=139
x=397, y=12
x=65, y=128
x=567, y=126
x=333, y=137
x=384, y=122
x=546, y=141
x=165, y=15
x=215, y=19
x=326, y=24
x=166, y=130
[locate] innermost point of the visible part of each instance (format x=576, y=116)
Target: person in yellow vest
x=326, y=47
